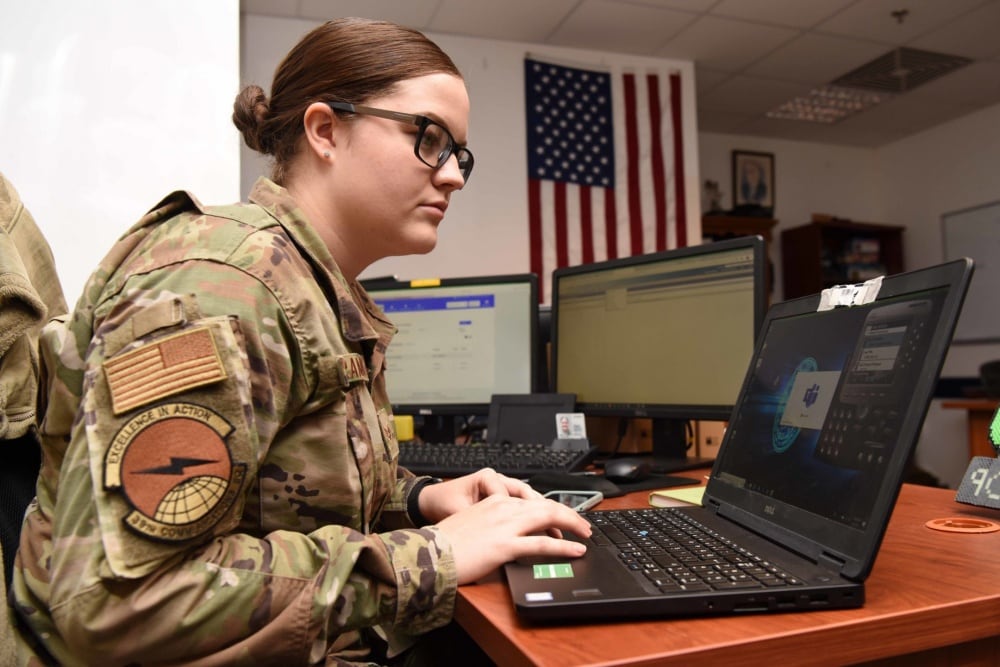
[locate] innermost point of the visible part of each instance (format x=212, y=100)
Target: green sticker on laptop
x=553, y=571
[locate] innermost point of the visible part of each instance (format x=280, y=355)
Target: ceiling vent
x=901, y=70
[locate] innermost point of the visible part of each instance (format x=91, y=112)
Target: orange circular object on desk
x=962, y=524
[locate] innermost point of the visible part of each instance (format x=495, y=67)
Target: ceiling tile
x=872, y=19
x=900, y=115
x=973, y=35
x=413, y=13
x=621, y=27
x=501, y=20
x=727, y=122
x=975, y=84
x=750, y=95
x=724, y=43
x=816, y=58
x=692, y=6
x=706, y=79
x=793, y=13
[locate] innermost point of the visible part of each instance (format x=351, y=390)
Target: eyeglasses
x=434, y=144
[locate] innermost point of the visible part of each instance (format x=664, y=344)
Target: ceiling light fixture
x=827, y=104
x=892, y=73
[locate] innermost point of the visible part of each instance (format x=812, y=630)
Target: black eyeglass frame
x=464, y=156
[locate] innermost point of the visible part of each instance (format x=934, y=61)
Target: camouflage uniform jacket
x=220, y=456
x=29, y=290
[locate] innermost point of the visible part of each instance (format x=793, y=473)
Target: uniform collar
x=361, y=320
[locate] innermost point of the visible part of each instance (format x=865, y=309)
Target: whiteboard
x=107, y=106
x=975, y=232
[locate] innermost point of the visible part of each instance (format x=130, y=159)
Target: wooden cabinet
x=825, y=253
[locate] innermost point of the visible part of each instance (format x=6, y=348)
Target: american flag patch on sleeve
x=168, y=366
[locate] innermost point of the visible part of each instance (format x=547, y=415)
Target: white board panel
x=975, y=232
x=106, y=106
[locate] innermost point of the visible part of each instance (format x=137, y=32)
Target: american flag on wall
x=605, y=165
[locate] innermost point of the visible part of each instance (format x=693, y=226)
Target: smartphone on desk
x=581, y=501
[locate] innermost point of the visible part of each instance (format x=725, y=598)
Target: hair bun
x=249, y=113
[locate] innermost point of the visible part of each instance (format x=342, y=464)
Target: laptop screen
x=830, y=412
x=825, y=404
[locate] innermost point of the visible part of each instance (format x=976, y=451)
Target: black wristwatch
x=413, y=503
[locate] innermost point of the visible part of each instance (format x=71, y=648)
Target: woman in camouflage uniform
x=219, y=484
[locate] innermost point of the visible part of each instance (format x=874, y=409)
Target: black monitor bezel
x=478, y=409
x=720, y=412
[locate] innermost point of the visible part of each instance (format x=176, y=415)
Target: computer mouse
x=626, y=469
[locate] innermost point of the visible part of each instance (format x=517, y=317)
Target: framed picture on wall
x=753, y=179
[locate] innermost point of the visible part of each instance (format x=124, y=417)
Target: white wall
x=486, y=231
x=107, y=106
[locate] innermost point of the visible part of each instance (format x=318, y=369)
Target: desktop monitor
x=665, y=336
x=460, y=341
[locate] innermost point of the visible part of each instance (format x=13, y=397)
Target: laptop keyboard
x=676, y=553
x=451, y=459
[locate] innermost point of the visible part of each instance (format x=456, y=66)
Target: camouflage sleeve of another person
x=168, y=542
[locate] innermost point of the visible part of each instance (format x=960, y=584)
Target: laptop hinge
x=832, y=561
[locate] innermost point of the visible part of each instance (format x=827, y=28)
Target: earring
x=326, y=154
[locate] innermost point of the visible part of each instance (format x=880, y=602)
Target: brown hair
x=347, y=60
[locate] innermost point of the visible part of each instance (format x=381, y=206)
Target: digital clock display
x=981, y=483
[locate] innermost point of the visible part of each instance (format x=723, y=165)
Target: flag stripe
x=562, y=242
x=680, y=214
x=610, y=224
x=656, y=161
x=632, y=165
x=586, y=226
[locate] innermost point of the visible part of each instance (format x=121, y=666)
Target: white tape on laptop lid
x=850, y=295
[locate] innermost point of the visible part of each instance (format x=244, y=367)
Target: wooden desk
x=981, y=412
x=933, y=597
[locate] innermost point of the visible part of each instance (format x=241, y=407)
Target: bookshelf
x=830, y=251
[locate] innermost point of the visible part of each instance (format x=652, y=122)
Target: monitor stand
x=670, y=447
x=436, y=428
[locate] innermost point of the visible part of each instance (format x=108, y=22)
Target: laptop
x=807, y=475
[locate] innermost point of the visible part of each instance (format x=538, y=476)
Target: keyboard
x=451, y=459
x=677, y=553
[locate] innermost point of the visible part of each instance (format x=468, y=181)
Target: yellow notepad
x=689, y=495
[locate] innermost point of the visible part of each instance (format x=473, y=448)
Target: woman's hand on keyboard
x=439, y=501
x=500, y=523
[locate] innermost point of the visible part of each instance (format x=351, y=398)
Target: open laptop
x=806, y=478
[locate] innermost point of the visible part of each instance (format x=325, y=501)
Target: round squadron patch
x=175, y=470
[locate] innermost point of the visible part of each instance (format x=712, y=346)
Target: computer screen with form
x=460, y=341
x=665, y=336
